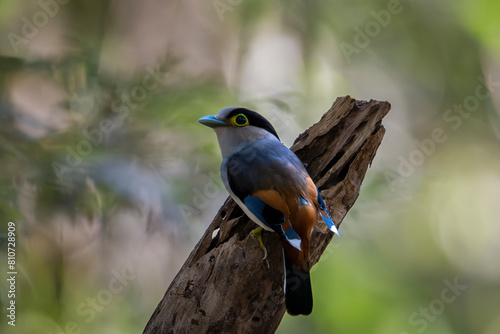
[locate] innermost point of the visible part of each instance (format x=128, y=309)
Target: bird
x=274, y=189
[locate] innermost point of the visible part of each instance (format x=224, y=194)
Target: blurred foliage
x=107, y=174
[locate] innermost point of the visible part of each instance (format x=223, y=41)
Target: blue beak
x=212, y=121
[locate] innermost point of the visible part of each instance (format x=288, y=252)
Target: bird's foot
x=258, y=234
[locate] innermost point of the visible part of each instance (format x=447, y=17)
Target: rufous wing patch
x=275, y=200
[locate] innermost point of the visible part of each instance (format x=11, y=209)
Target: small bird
x=272, y=186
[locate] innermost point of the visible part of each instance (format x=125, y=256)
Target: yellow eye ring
x=240, y=120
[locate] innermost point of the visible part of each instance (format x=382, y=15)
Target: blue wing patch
x=272, y=218
x=327, y=219
x=303, y=201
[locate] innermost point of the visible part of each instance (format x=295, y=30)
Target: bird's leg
x=258, y=234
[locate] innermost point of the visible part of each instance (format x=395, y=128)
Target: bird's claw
x=258, y=234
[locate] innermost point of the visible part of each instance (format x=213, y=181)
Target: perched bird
x=273, y=188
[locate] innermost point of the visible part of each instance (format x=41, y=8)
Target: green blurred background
x=111, y=181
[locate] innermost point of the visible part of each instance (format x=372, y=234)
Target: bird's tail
x=298, y=292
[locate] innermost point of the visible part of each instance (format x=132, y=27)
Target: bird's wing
x=319, y=203
x=323, y=211
x=256, y=174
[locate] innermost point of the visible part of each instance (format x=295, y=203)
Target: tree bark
x=225, y=286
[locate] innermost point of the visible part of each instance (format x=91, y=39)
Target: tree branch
x=224, y=286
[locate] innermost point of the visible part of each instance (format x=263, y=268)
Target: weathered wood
x=224, y=286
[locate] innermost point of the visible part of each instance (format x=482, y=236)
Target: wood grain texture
x=224, y=286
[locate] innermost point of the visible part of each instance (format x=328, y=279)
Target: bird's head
x=236, y=126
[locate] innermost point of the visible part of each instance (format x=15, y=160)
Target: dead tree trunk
x=224, y=286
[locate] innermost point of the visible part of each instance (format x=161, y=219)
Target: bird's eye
x=240, y=120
